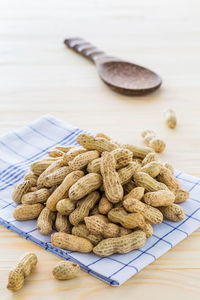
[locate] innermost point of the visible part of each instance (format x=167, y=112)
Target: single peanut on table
x=24, y=267
x=170, y=118
x=65, y=270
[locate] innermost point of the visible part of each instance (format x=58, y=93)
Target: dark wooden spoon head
x=127, y=78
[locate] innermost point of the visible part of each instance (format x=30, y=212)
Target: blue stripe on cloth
x=54, y=123
x=12, y=150
x=194, y=200
x=175, y=227
x=25, y=142
x=38, y=132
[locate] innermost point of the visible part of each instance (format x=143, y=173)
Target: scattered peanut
x=103, y=135
x=122, y=157
x=80, y=161
x=24, y=267
x=170, y=118
x=64, y=149
x=65, y=270
x=53, y=167
x=148, y=229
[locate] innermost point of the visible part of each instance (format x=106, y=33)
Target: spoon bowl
x=121, y=76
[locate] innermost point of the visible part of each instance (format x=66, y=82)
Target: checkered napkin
x=20, y=148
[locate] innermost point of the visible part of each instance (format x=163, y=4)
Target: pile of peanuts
x=100, y=196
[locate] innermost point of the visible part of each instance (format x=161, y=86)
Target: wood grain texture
x=39, y=75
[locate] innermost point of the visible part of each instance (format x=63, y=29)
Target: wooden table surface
x=39, y=75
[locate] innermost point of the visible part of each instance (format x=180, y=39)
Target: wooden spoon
x=121, y=76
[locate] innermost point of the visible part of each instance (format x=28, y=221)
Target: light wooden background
x=39, y=75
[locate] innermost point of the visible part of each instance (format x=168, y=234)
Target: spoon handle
x=84, y=48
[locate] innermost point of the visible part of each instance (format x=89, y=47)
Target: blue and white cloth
x=20, y=148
